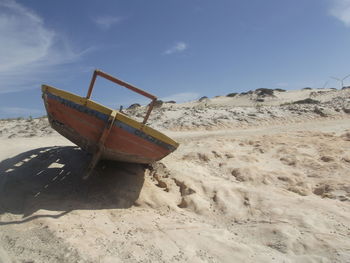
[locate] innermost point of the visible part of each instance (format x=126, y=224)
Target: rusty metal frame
x=124, y=84
x=101, y=144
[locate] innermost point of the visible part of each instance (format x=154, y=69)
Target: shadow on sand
x=51, y=178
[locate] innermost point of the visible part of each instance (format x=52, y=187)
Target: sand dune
x=273, y=191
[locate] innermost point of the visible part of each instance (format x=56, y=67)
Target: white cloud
x=178, y=47
x=28, y=49
x=106, y=21
x=341, y=10
x=182, y=97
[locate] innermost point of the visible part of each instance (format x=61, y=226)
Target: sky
x=175, y=49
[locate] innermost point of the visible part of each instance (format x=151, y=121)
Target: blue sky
x=176, y=49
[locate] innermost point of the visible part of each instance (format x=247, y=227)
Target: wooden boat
x=104, y=132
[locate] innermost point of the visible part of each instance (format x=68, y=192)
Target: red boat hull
x=83, y=123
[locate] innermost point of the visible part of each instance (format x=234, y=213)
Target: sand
x=270, y=189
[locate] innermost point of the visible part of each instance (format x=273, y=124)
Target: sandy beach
x=258, y=177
